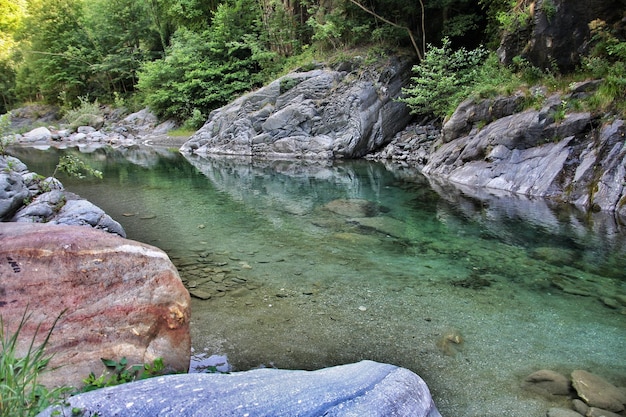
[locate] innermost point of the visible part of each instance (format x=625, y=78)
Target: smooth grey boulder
x=362, y=389
x=318, y=114
x=39, y=134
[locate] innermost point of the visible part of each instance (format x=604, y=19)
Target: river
x=303, y=265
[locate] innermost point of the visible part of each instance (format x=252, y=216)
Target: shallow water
x=308, y=265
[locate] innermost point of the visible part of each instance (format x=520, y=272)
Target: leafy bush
x=5, y=139
x=75, y=167
x=85, y=114
x=121, y=372
x=443, y=79
x=607, y=61
x=20, y=393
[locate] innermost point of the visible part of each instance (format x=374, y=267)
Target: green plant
x=560, y=112
x=84, y=114
x=21, y=394
x=5, y=139
x=549, y=9
x=607, y=61
x=121, y=372
x=75, y=167
x=195, y=121
x=443, y=79
x=517, y=16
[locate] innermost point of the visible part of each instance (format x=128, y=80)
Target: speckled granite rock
x=361, y=389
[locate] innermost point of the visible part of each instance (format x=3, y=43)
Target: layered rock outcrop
x=318, y=114
x=116, y=298
x=573, y=159
x=361, y=389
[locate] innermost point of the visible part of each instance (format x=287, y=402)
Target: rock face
x=319, y=114
x=121, y=298
x=532, y=153
x=362, y=389
x=558, y=32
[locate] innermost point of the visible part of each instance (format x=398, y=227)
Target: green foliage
x=5, y=139
x=76, y=48
x=121, y=372
x=21, y=394
x=203, y=71
x=75, y=167
x=516, y=16
x=194, y=122
x=443, y=79
x=549, y=9
x=57, y=51
x=84, y=113
x=607, y=62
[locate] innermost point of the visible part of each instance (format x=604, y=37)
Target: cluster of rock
x=317, y=114
x=27, y=197
x=410, y=146
x=107, y=129
x=590, y=394
x=208, y=277
x=572, y=158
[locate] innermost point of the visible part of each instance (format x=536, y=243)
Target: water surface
x=305, y=265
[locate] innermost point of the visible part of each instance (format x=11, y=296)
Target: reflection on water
x=306, y=265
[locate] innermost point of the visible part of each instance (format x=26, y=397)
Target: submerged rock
x=361, y=389
x=548, y=382
x=598, y=392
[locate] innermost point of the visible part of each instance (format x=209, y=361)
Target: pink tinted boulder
x=120, y=298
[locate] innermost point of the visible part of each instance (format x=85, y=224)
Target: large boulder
x=119, y=298
x=318, y=114
x=361, y=389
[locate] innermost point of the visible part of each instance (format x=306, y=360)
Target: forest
x=184, y=58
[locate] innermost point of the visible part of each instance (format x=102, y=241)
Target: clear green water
x=310, y=265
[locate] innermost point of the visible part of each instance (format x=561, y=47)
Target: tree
x=11, y=14
x=57, y=51
x=204, y=70
x=123, y=36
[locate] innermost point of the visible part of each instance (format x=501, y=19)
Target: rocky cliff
x=498, y=145
x=319, y=114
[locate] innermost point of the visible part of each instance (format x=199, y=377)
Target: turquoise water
x=307, y=265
